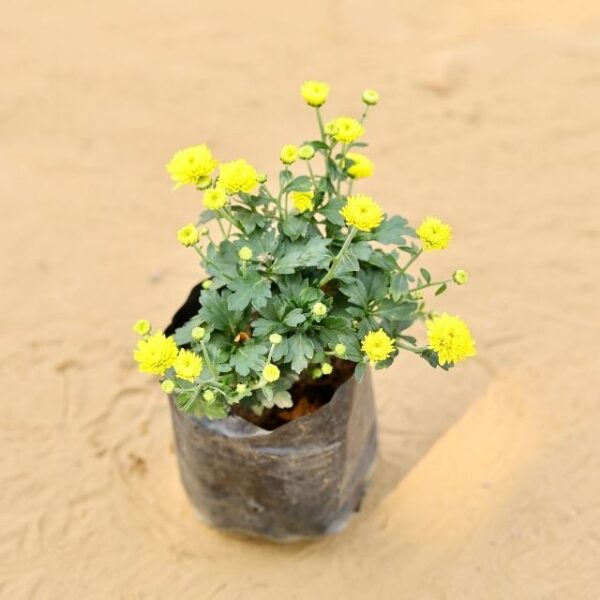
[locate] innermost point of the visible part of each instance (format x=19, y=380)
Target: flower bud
x=198, y=333
x=370, y=97
x=417, y=295
x=207, y=284
x=241, y=388
x=317, y=373
x=209, y=396
x=261, y=177
x=327, y=369
x=340, y=349
x=245, y=253
x=203, y=182
x=275, y=339
x=289, y=154
x=319, y=309
x=306, y=152
x=142, y=327
x=460, y=277
x=203, y=231
x=167, y=386
x=271, y=373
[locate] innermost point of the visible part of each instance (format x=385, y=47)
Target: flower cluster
x=308, y=275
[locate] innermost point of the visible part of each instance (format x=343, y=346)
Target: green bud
x=206, y=285
x=340, y=349
x=327, y=369
x=319, y=309
x=275, y=338
x=167, y=386
x=203, y=182
x=203, y=231
x=370, y=97
x=460, y=277
x=209, y=396
x=241, y=388
x=142, y=327
x=198, y=333
x=317, y=373
x=261, y=177
x=245, y=253
x=306, y=152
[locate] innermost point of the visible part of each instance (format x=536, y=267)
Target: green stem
x=320, y=120
x=312, y=175
x=364, y=115
x=411, y=261
x=208, y=361
x=350, y=184
x=428, y=285
x=412, y=348
x=336, y=261
x=221, y=227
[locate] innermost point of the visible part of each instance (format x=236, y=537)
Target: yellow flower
x=214, y=198
x=142, y=327
x=237, y=176
x=188, y=235
x=377, y=345
x=450, y=337
x=302, y=201
x=155, y=354
x=314, y=92
x=188, y=365
x=289, y=154
x=319, y=309
x=344, y=129
x=370, y=97
x=191, y=165
x=361, y=167
x=362, y=212
x=434, y=234
x=271, y=373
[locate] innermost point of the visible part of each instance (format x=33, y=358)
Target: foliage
x=304, y=271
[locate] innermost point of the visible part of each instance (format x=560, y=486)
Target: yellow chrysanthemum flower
x=450, y=337
x=344, y=129
x=142, y=327
x=214, y=198
x=362, y=212
x=188, y=235
x=377, y=345
x=155, y=354
x=191, y=165
x=288, y=154
x=237, y=176
x=361, y=167
x=314, y=92
x=188, y=365
x=434, y=234
x=271, y=373
x=302, y=201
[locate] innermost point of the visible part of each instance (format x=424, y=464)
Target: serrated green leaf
x=248, y=357
x=215, y=310
x=300, y=350
x=331, y=211
x=251, y=289
x=313, y=253
x=393, y=231
x=392, y=311
x=302, y=183
x=294, y=318
x=398, y=286
x=295, y=227
x=359, y=372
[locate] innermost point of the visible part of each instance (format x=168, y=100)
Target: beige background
x=488, y=484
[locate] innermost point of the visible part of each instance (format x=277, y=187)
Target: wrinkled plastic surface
x=302, y=480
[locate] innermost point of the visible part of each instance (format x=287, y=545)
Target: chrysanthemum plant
x=307, y=270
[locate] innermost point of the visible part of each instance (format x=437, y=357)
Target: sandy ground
x=488, y=483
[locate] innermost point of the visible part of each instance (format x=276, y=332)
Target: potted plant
x=267, y=363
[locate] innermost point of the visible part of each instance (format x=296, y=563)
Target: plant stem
x=320, y=120
x=411, y=261
x=428, y=285
x=312, y=175
x=208, y=361
x=221, y=227
x=364, y=115
x=412, y=349
x=336, y=261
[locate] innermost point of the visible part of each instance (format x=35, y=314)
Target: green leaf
x=441, y=289
x=317, y=145
x=215, y=310
x=250, y=289
x=426, y=275
x=303, y=183
x=284, y=177
x=331, y=211
x=183, y=335
x=248, y=357
x=383, y=261
x=390, y=310
x=300, y=350
x=295, y=227
x=294, y=318
x=313, y=253
x=356, y=293
x=359, y=371
x=393, y=231
x=398, y=286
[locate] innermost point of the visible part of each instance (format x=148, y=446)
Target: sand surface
x=488, y=483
